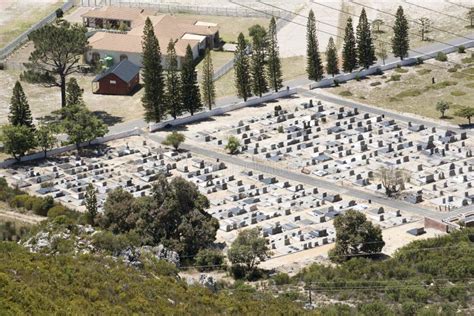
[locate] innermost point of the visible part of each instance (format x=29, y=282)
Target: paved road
x=308, y=180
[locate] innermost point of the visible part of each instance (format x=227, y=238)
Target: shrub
x=420, y=61
x=336, y=83
x=461, y=49
x=58, y=210
x=395, y=77
x=378, y=72
x=110, y=242
x=41, y=206
x=238, y=272
x=441, y=57
x=376, y=83
x=422, y=72
x=209, y=259
x=233, y=145
x=281, y=129
x=281, y=278
x=18, y=201
x=345, y=93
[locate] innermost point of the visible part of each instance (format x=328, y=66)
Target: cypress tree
x=153, y=99
x=400, y=40
x=349, y=51
x=189, y=86
x=73, y=93
x=332, y=66
x=257, y=65
x=242, y=69
x=314, y=66
x=208, y=88
x=20, y=114
x=273, y=64
x=173, y=83
x=91, y=204
x=365, y=46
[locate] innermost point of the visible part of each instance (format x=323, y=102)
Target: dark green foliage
x=11, y=231
x=257, y=61
x=45, y=137
x=332, y=66
x=355, y=235
x=153, y=99
x=90, y=201
x=349, y=51
x=314, y=67
x=274, y=72
x=207, y=86
x=120, y=212
x=73, y=93
x=248, y=249
x=191, y=96
x=173, y=83
x=400, y=40
x=20, y=113
x=465, y=112
x=461, y=49
x=242, y=69
x=233, y=145
x=17, y=140
x=174, y=139
x=57, y=54
x=441, y=57
x=209, y=259
x=281, y=278
x=365, y=45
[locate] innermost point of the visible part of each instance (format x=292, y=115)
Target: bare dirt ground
x=6, y=214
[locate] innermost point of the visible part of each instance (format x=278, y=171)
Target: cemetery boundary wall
x=221, y=110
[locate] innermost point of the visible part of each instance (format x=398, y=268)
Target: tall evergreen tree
x=273, y=63
x=242, y=69
x=349, y=51
x=153, y=99
x=91, y=204
x=314, y=66
x=20, y=113
x=400, y=40
x=73, y=93
x=365, y=46
x=173, y=83
x=332, y=66
x=257, y=68
x=189, y=86
x=208, y=88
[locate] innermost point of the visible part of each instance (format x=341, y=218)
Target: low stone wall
x=63, y=149
x=221, y=110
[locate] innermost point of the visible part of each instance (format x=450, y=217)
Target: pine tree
x=20, y=113
x=400, y=40
x=314, y=66
x=73, y=93
x=189, y=86
x=208, y=88
x=257, y=68
x=173, y=83
x=242, y=69
x=349, y=51
x=332, y=66
x=91, y=204
x=365, y=46
x=273, y=64
x=153, y=99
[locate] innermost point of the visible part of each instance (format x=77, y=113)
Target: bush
x=357, y=77
x=281, y=129
x=281, y=278
x=378, y=72
x=420, y=61
x=461, y=49
x=18, y=201
x=394, y=77
x=41, y=206
x=110, y=242
x=441, y=57
x=238, y=272
x=376, y=83
x=345, y=93
x=209, y=259
x=58, y=210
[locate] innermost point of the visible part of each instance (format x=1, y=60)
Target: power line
x=457, y=4
x=435, y=11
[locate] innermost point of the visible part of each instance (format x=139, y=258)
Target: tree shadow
x=466, y=126
x=107, y=118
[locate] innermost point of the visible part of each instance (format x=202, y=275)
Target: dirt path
x=30, y=219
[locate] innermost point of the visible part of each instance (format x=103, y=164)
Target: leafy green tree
x=470, y=16
x=355, y=235
x=73, y=93
x=233, y=145
x=442, y=107
x=174, y=139
x=259, y=35
x=349, y=51
x=190, y=89
x=81, y=125
x=209, y=259
x=258, y=62
x=242, y=69
x=17, y=140
x=90, y=201
x=58, y=49
x=466, y=112
x=365, y=46
x=248, y=249
x=207, y=86
x=20, y=113
x=274, y=72
x=314, y=66
x=153, y=99
x=392, y=179
x=400, y=40
x=121, y=212
x=45, y=137
x=332, y=66
x=173, y=83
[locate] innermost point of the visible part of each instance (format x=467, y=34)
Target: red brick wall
x=119, y=88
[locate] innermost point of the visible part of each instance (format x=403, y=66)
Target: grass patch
x=470, y=85
x=454, y=69
x=376, y=83
x=458, y=93
x=401, y=70
x=345, y=93
x=422, y=72
x=441, y=85
x=394, y=77
x=408, y=93
x=468, y=60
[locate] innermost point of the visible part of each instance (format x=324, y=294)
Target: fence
x=183, y=8
x=327, y=82
x=63, y=149
x=221, y=110
x=7, y=50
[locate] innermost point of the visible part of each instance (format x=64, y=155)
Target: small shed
x=119, y=79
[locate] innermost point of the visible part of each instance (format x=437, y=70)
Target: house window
x=113, y=82
x=123, y=57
